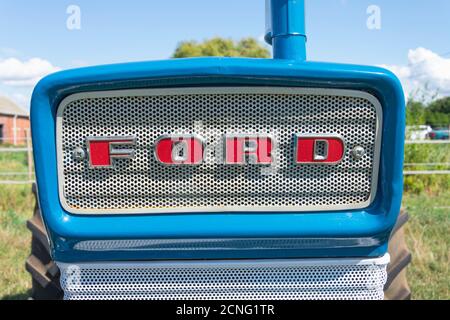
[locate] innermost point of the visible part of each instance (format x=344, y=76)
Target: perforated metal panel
x=142, y=185
x=226, y=280
x=234, y=244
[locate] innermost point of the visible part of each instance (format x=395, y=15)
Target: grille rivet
x=79, y=154
x=358, y=152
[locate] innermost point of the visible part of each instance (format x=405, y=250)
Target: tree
x=437, y=119
x=247, y=47
x=415, y=113
x=435, y=113
x=438, y=113
x=441, y=106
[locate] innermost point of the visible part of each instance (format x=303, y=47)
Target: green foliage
x=435, y=113
x=427, y=153
x=441, y=106
x=438, y=113
x=437, y=119
x=421, y=153
x=16, y=206
x=247, y=47
x=429, y=184
x=428, y=239
x=415, y=113
x=13, y=162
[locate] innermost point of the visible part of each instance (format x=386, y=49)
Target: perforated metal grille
x=226, y=280
x=144, y=185
x=263, y=244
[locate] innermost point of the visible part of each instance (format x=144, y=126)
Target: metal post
x=15, y=130
x=30, y=155
x=286, y=29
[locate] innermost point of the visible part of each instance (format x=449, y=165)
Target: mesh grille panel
x=225, y=280
x=144, y=184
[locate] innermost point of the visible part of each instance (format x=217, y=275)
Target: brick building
x=14, y=123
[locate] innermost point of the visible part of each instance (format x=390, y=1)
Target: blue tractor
x=220, y=178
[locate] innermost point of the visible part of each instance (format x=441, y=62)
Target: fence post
x=30, y=155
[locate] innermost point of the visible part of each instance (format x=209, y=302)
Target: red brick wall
x=22, y=124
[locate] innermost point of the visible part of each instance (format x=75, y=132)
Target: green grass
x=427, y=153
x=16, y=206
x=427, y=201
x=423, y=153
x=428, y=237
x=427, y=232
x=13, y=162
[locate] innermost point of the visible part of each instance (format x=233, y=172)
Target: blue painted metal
x=68, y=231
x=287, y=33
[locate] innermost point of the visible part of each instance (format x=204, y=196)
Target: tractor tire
x=397, y=287
x=44, y=272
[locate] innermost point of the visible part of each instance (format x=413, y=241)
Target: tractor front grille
x=142, y=185
x=227, y=280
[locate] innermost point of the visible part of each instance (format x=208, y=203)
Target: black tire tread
x=397, y=287
x=43, y=270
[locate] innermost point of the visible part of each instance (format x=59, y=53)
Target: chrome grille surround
x=349, y=279
x=144, y=186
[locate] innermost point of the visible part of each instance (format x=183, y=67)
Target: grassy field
x=16, y=206
x=427, y=153
x=13, y=166
x=428, y=233
x=428, y=237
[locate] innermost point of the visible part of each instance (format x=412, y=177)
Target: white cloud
x=18, y=77
x=425, y=70
x=14, y=72
x=22, y=99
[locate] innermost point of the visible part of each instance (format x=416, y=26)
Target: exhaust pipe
x=285, y=29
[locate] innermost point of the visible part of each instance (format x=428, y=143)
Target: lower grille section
x=227, y=280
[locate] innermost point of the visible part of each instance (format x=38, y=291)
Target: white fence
x=408, y=172
x=28, y=176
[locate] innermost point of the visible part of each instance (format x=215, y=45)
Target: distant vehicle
x=439, y=134
x=420, y=132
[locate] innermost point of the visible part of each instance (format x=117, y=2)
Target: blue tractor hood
x=351, y=233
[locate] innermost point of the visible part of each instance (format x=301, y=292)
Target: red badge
x=318, y=149
x=248, y=149
x=180, y=150
x=103, y=150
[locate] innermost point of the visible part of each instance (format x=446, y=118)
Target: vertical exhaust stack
x=285, y=29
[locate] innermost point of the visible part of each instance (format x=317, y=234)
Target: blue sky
x=134, y=30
